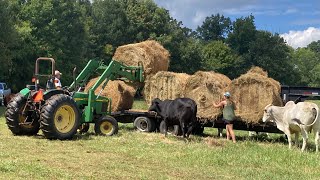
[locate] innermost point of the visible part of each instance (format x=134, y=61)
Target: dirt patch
x=213, y=142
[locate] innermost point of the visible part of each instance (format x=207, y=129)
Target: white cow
x=295, y=118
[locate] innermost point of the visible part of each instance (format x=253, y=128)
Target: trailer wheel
x=106, y=126
x=144, y=124
x=175, y=129
x=18, y=122
x=59, y=117
x=83, y=128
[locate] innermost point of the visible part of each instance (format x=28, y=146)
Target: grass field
x=135, y=155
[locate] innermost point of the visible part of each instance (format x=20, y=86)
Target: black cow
x=181, y=111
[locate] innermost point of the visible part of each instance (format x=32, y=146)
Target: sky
x=297, y=21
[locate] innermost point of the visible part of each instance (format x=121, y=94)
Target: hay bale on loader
x=120, y=92
x=206, y=88
x=153, y=56
x=165, y=85
x=252, y=92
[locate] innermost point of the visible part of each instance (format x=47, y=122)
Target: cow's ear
x=158, y=107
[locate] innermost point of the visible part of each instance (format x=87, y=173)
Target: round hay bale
x=252, y=92
x=205, y=88
x=153, y=56
x=120, y=92
x=165, y=85
x=258, y=70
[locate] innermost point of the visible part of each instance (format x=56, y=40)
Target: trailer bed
x=242, y=125
x=128, y=116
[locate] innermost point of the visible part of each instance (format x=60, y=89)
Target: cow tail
x=315, y=120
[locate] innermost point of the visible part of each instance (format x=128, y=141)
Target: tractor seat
x=50, y=84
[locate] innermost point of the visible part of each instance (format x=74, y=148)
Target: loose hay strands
x=153, y=56
x=165, y=85
x=120, y=92
x=206, y=88
x=252, y=92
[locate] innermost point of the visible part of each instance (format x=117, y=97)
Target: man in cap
x=228, y=114
x=57, y=82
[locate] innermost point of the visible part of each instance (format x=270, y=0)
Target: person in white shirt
x=57, y=82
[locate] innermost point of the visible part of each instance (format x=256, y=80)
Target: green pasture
x=135, y=155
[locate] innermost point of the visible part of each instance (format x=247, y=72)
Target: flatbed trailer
x=242, y=125
x=128, y=116
x=149, y=121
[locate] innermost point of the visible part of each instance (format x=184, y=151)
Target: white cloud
x=193, y=12
x=301, y=38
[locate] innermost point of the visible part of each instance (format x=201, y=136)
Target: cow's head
x=155, y=105
x=267, y=115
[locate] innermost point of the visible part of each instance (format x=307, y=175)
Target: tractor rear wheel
x=20, y=120
x=59, y=117
x=106, y=126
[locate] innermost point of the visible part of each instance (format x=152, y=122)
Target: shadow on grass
x=259, y=138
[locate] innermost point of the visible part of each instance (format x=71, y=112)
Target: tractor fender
x=53, y=92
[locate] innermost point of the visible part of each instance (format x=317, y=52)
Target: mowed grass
x=135, y=155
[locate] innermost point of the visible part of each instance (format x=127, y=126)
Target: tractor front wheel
x=59, y=117
x=20, y=119
x=106, y=126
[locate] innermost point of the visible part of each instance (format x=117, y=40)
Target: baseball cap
x=227, y=94
x=56, y=72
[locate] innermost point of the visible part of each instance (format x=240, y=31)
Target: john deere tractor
x=59, y=113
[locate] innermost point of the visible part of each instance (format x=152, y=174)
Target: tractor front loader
x=59, y=113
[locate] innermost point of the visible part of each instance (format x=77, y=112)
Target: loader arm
x=114, y=71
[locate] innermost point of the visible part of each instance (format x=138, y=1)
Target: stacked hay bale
x=152, y=55
x=165, y=85
x=121, y=93
x=252, y=92
x=206, y=88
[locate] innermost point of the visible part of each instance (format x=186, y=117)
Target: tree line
x=75, y=31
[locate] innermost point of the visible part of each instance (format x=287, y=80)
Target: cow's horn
x=268, y=106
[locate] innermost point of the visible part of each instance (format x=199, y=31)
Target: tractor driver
x=57, y=83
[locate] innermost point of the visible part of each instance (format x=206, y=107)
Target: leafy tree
x=270, y=52
x=7, y=40
x=189, y=57
x=217, y=56
x=109, y=28
x=146, y=19
x=215, y=27
x=315, y=76
x=314, y=46
x=306, y=63
x=185, y=51
x=243, y=33
x=58, y=32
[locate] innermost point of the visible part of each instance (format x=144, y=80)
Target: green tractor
x=60, y=113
